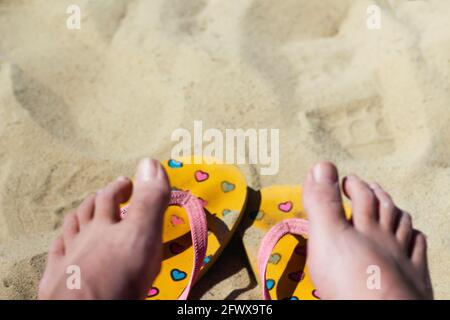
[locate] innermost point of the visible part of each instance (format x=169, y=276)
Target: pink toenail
x=322, y=173
x=146, y=170
x=385, y=204
x=374, y=186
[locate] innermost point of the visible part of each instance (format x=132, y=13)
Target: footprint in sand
x=358, y=127
x=46, y=108
x=268, y=26
x=106, y=16
x=180, y=17
x=323, y=63
x=38, y=164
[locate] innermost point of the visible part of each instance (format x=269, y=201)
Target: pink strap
x=288, y=226
x=199, y=231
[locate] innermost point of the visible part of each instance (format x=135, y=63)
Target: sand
x=80, y=107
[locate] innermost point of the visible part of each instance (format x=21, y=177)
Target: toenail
x=146, y=170
x=122, y=178
x=374, y=186
x=351, y=177
x=385, y=204
x=324, y=173
x=100, y=191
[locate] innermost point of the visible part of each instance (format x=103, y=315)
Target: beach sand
x=79, y=107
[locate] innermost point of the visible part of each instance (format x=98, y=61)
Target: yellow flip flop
x=206, y=206
x=275, y=239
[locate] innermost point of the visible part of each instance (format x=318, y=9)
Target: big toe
x=322, y=199
x=151, y=194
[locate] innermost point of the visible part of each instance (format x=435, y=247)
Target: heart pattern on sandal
x=301, y=250
x=176, y=248
x=296, y=276
x=176, y=220
x=275, y=258
x=174, y=164
x=227, y=186
x=200, y=182
x=201, y=176
x=226, y=212
x=257, y=215
x=315, y=294
x=153, y=292
x=270, y=283
x=177, y=275
x=207, y=260
x=285, y=206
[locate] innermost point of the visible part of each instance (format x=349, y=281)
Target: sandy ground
x=79, y=107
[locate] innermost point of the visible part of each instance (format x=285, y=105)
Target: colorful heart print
x=301, y=249
x=176, y=248
x=285, y=206
x=153, y=292
x=257, y=215
x=275, y=258
x=227, y=212
x=227, y=186
x=207, y=260
x=176, y=220
x=296, y=276
x=174, y=164
x=177, y=275
x=315, y=294
x=270, y=283
x=201, y=176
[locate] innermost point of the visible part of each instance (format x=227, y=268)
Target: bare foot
x=116, y=259
x=344, y=255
